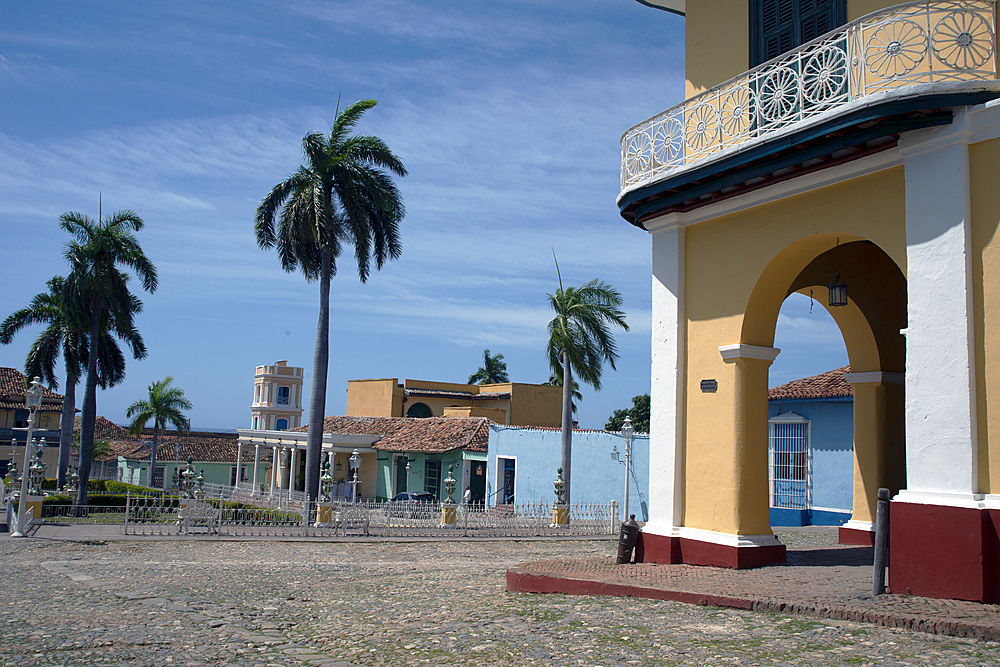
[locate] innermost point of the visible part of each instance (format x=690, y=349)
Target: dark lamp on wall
x=837, y=288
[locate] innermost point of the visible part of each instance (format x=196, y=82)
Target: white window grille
x=790, y=461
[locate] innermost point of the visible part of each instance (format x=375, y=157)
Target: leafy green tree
x=556, y=381
x=638, y=413
x=62, y=337
x=342, y=195
x=493, y=370
x=580, y=338
x=97, y=298
x=163, y=405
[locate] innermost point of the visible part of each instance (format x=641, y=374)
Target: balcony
x=900, y=68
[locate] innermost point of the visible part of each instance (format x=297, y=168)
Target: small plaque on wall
x=709, y=386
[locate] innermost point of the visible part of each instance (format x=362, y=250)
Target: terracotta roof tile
x=12, y=388
x=409, y=434
x=203, y=446
x=105, y=429
x=825, y=385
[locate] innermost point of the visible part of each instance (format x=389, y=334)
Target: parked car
x=413, y=505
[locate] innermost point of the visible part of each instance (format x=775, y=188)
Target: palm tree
x=493, y=370
x=342, y=195
x=557, y=380
x=164, y=404
x=97, y=297
x=61, y=336
x=580, y=337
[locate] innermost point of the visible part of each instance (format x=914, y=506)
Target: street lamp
x=33, y=400
x=628, y=431
x=407, y=474
x=355, y=464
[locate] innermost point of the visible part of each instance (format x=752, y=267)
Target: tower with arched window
x=277, y=397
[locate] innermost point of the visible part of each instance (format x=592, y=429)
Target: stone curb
x=520, y=579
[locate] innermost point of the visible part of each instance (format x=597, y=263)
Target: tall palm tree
x=61, y=336
x=343, y=194
x=556, y=380
x=164, y=404
x=97, y=297
x=493, y=370
x=580, y=337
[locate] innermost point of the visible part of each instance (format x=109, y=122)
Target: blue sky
x=507, y=115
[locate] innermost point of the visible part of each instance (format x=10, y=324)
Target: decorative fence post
x=128, y=504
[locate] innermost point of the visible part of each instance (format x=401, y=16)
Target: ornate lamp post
x=628, y=432
x=33, y=400
x=38, y=470
x=326, y=482
x=355, y=464
x=188, y=476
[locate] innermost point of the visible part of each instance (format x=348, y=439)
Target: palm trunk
x=88, y=418
x=567, y=424
x=317, y=399
x=152, y=455
x=66, y=428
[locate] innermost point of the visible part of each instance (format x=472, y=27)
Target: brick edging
x=520, y=580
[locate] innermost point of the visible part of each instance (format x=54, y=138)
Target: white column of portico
x=293, y=463
x=666, y=424
x=256, y=463
x=941, y=430
x=239, y=462
x=274, y=469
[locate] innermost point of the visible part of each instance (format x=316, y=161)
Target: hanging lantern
x=838, y=292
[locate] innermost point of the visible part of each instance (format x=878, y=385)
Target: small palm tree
x=164, y=404
x=61, y=336
x=556, y=381
x=493, y=370
x=343, y=195
x=97, y=298
x=580, y=337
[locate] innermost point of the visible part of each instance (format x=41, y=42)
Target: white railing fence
x=912, y=43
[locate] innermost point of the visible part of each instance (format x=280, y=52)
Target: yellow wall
x=985, y=199
x=374, y=398
x=536, y=405
x=48, y=420
x=717, y=39
x=764, y=250
x=498, y=415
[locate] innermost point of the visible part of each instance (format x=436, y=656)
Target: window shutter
x=778, y=26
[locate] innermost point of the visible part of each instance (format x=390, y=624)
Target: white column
x=239, y=462
x=256, y=463
x=293, y=467
x=941, y=440
x=274, y=468
x=667, y=381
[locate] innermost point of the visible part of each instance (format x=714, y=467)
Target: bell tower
x=277, y=397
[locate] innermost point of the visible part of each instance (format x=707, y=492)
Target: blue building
x=811, y=450
x=522, y=462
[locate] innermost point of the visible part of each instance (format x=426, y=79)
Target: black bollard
x=881, y=542
x=627, y=539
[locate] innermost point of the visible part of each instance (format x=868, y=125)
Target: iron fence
x=164, y=515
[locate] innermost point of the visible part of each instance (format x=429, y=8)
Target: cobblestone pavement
x=267, y=603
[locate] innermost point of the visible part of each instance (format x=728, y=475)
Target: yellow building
x=823, y=143
x=510, y=403
x=14, y=422
x=277, y=397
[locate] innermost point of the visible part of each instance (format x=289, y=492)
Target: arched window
x=256, y=424
x=281, y=425
x=419, y=410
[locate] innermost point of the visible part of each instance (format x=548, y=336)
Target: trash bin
x=627, y=539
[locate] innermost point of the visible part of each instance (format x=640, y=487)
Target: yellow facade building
x=826, y=143
x=14, y=422
x=509, y=403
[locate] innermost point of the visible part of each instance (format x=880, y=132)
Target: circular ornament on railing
x=701, y=127
x=962, y=40
x=736, y=113
x=824, y=76
x=638, y=151
x=668, y=140
x=778, y=94
x=895, y=48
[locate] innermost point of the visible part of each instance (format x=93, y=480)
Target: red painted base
x=865, y=538
x=944, y=552
x=652, y=548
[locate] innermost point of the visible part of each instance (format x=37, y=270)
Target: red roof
x=409, y=434
x=825, y=385
x=12, y=391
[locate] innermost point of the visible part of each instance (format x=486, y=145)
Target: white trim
x=971, y=500
x=730, y=353
x=875, y=377
x=837, y=510
x=726, y=539
x=787, y=418
x=864, y=526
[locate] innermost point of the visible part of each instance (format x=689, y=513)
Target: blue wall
x=832, y=443
x=596, y=478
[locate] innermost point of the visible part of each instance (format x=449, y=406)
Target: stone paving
x=108, y=601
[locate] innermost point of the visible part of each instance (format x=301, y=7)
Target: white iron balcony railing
x=913, y=43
